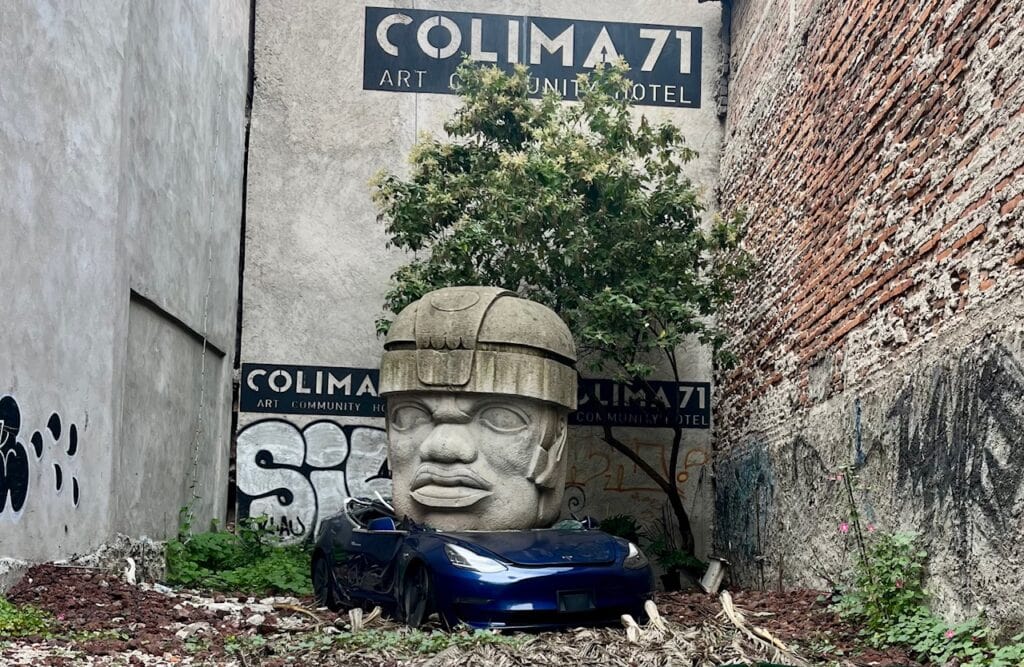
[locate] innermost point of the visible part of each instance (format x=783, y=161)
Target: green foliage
x=249, y=560
x=622, y=525
x=888, y=584
x=660, y=544
x=23, y=620
x=577, y=206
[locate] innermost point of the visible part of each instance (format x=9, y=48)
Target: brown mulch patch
x=96, y=601
x=798, y=617
x=148, y=624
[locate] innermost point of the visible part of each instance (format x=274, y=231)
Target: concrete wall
x=121, y=127
x=877, y=146
x=317, y=263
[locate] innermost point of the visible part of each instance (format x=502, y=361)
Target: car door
x=378, y=550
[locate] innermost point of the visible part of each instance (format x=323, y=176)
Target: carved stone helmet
x=482, y=340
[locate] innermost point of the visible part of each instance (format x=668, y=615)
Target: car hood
x=545, y=547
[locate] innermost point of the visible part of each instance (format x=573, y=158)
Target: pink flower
x=899, y=583
x=950, y=634
x=871, y=527
x=844, y=528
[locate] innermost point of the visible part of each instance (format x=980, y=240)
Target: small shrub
x=249, y=560
x=887, y=598
x=622, y=525
x=888, y=584
x=661, y=545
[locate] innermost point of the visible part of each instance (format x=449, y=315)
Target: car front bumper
x=537, y=597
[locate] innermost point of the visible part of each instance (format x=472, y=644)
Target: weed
x=622, y=525
x=23, y=620
x=245, y=645
x=249, y=560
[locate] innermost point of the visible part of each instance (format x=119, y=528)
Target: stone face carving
x=478, y=383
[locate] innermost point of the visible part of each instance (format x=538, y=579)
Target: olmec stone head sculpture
x=478, y=383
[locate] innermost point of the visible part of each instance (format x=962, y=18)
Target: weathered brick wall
x=879, y=147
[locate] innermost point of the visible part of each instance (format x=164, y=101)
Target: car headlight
x=468, y=560
x=635, y=559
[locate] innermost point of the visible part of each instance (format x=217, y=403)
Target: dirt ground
x=100, y=619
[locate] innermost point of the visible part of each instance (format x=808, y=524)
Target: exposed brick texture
x=879, y=147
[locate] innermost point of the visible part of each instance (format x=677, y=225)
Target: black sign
x=417, y=51
x=658, y=404
x=352, y=392
x=310, y=390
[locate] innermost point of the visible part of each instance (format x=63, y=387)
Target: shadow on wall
x=744, y=491
x=299, y=477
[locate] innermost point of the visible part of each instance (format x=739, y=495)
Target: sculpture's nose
x=449, y=443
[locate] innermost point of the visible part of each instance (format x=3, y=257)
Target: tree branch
x=633, y=456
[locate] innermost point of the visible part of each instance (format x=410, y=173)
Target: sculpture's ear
x=545, y=467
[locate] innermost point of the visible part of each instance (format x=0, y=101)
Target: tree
x=577, y=206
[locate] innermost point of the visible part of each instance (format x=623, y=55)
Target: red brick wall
x=879, y=147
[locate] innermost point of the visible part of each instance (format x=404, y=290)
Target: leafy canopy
x=577, y=206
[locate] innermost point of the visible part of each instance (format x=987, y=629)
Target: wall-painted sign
x=418, y=50
x=352, y=392
x=310, y=390
x=686, y=404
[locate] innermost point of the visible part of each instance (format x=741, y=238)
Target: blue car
x=500, y=580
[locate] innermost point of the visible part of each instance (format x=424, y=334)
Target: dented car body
x=484, y=579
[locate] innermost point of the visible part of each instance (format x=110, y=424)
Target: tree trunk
x=682, y=518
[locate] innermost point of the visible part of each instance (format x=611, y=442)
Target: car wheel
x=323, y=583
x=417, y=595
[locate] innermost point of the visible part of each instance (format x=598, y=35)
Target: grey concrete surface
x=11, y=572
x=317, y=262
x=121, y=127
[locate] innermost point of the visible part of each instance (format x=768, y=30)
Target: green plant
x=583, y=208
x=622, y=525
x=250, y=559
x=887, y=597
x=661, y=545
x=888, y=583
x=23, y=620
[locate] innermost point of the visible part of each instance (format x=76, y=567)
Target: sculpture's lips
x=438, y=487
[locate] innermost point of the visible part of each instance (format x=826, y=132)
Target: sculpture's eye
x=408, y=416
x=503, y=419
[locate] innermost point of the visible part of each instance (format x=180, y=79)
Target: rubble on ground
x=102, y=619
